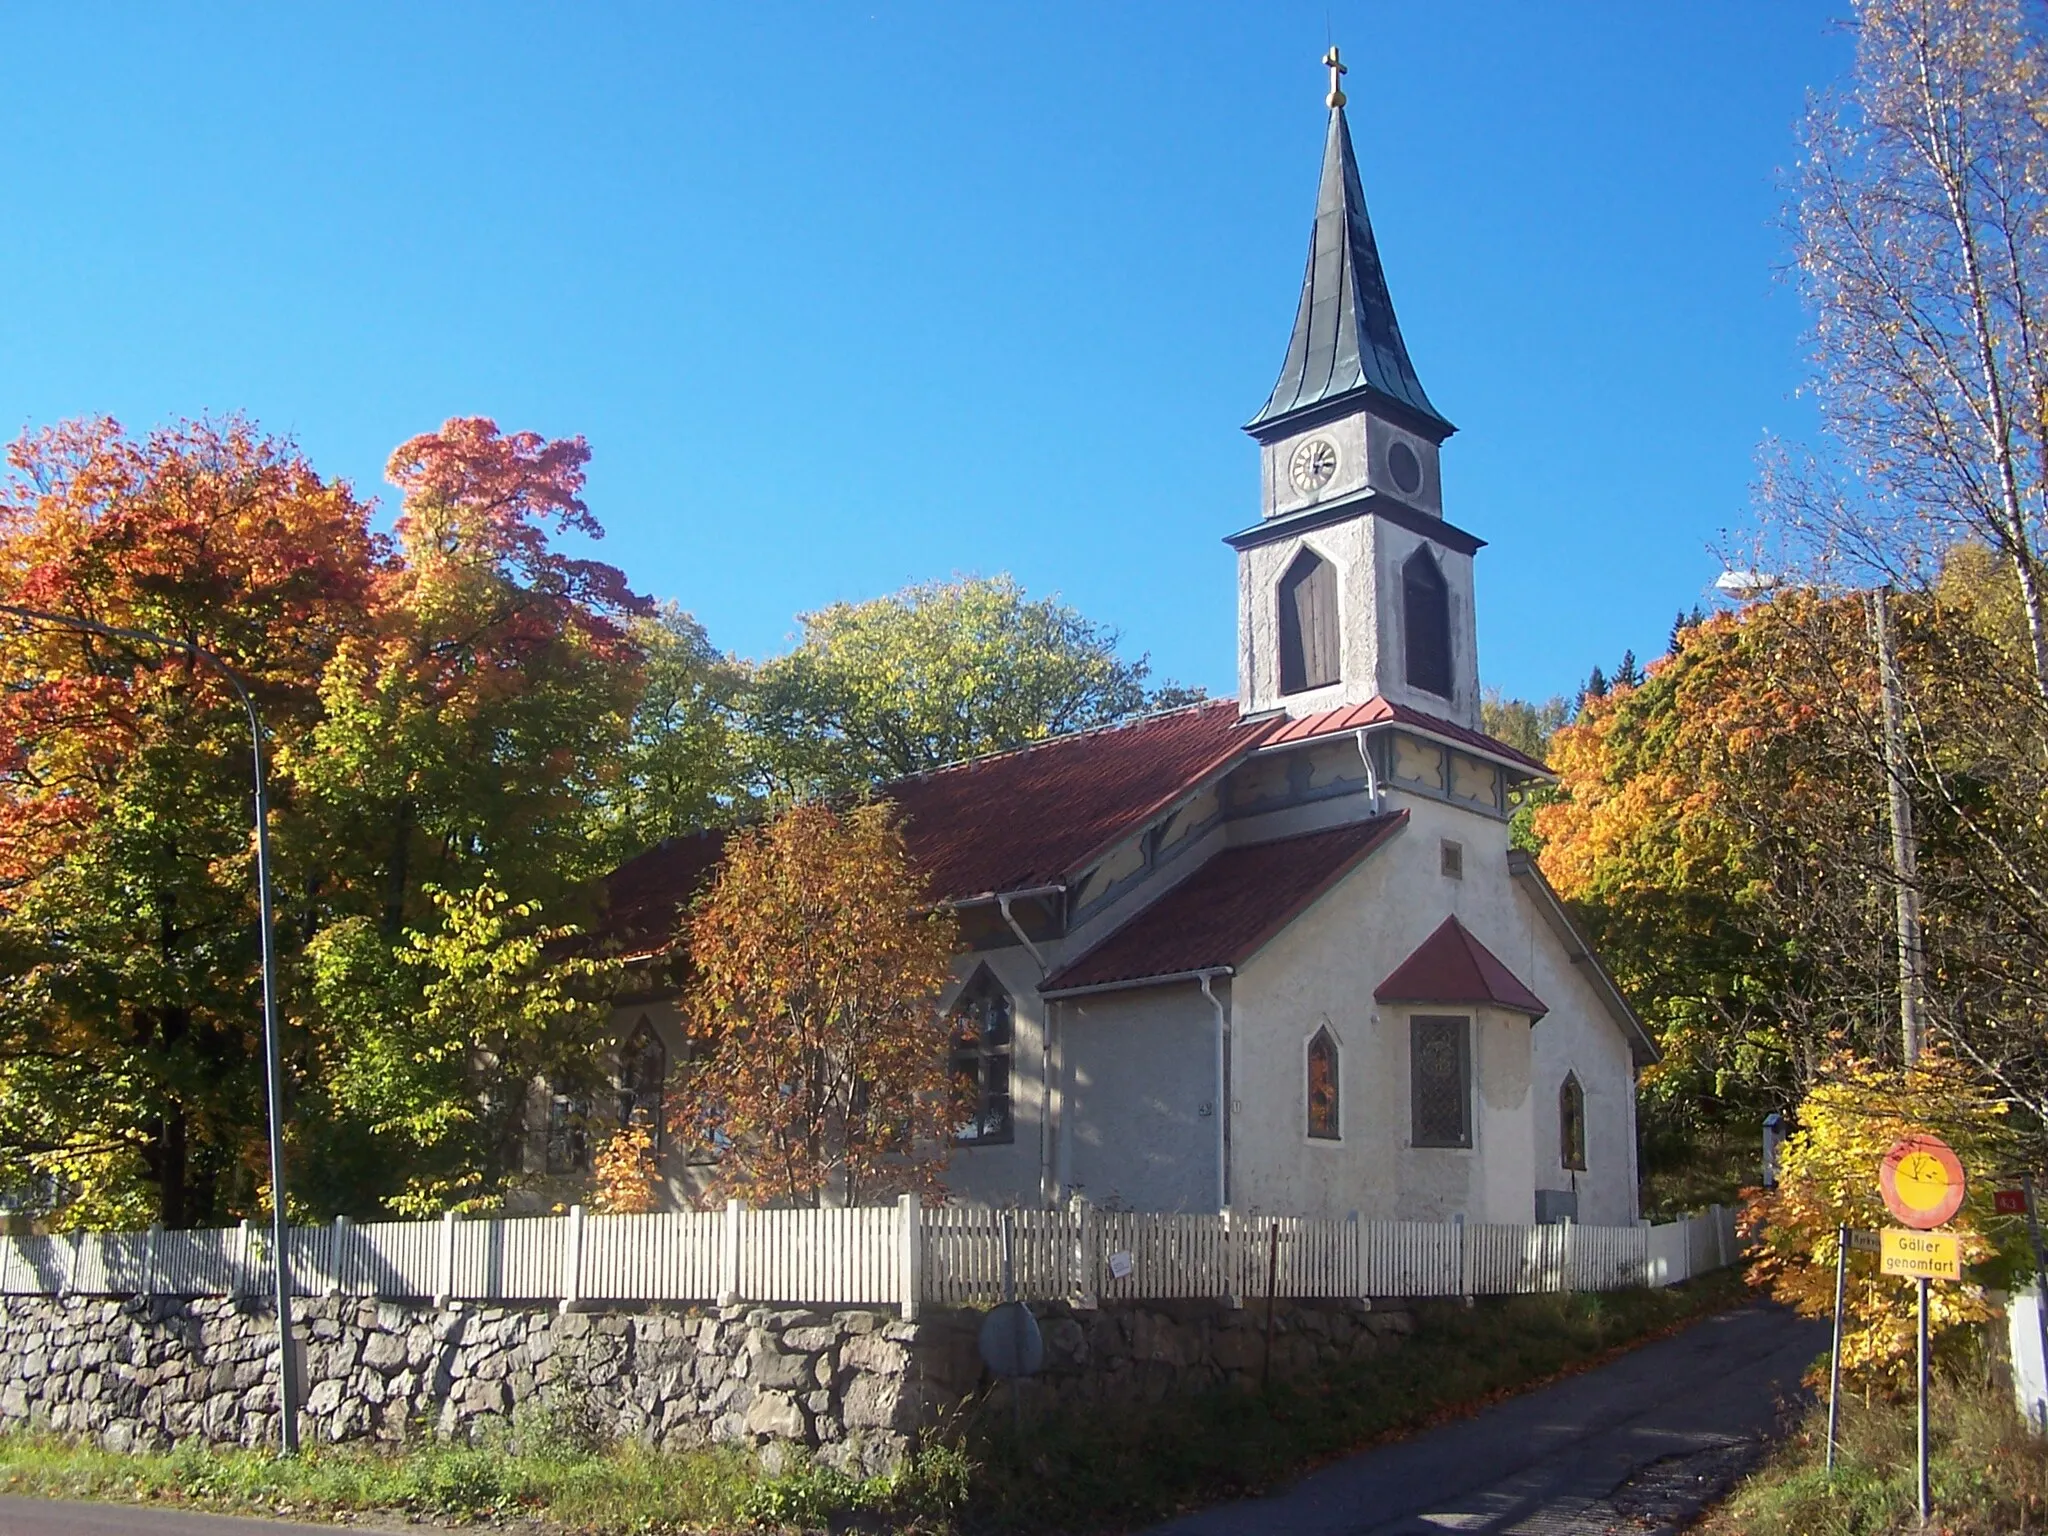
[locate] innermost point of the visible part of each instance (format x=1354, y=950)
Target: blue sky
x=849, y=296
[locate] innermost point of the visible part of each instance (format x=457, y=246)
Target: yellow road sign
x=1922, y=1255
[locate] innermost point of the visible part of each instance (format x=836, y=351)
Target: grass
x=1989, y=1475
x=1078, y=1471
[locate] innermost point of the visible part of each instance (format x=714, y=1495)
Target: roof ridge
x=1129, y=723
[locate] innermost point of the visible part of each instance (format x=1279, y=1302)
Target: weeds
x=1989, y=1475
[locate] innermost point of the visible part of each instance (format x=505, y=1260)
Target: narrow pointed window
x=983, y=1039
x=1571, y=1123
x=1308, y=624
x=1426, y=624
x=643, y=1073
x=1323, y=1087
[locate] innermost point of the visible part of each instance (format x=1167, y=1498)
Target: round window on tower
x=1405, y=468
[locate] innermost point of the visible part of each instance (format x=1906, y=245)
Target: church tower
x=1352, y=585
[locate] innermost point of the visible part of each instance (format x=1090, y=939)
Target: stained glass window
x=1440, y=1072
x=643, y=1072
x=569, y=1133
x=1571, y=1123
x=983, y=1039
x=1323, y=1088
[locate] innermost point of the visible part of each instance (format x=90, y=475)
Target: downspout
x=1045, y=1143
x=1222, y=1090
x=1372, y=773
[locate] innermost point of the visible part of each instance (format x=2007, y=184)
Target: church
x=1273, y=952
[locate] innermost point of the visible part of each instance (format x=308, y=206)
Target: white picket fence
x=900, y=1255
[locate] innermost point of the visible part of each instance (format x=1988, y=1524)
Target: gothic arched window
x=643, y=1073
x=1426, y=624
x=1308, y=624
x=984, y=1035
x=1571, y=1123
x=1323, y=1088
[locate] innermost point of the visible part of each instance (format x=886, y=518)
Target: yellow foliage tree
x=1827, y=1179
x=624, y=1175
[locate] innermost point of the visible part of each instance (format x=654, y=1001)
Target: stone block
x=775, y=1415
x=874, y=1354
x=879, y=1402
x=384, y=1352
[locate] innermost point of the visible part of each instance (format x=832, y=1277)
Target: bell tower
x=1352, y=585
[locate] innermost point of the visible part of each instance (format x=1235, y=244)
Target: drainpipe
x=1222, y=1090
x=1003, y=900
x=1372, y=774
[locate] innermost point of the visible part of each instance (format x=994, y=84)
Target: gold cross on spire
x=1337, y=71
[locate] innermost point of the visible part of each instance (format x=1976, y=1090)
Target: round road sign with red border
x=1922, y=1179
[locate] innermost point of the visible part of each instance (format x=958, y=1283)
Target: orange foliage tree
x=443, y=710
x=820, y=1051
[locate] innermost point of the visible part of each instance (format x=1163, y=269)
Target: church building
x=1272, y=952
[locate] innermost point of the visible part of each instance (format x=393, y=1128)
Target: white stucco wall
x=1008, y=1173
x=1139, y=1098
x=1324, y=968
x=1368, y=553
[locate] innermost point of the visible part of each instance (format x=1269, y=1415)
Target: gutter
x=1157, y=980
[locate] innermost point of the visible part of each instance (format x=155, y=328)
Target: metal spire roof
x=1347, y=344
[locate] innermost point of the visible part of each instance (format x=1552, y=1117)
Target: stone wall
x=854, y=1386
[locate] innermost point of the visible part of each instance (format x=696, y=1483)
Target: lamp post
x=1743, y=585
x=287, y=1386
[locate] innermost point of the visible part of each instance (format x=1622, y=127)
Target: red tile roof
x=1006, y=822
x=1040, y=813
x=1451, y=966
x=1033, y=816
x=1226, y=911
x=1381, y=711
x=645, y=896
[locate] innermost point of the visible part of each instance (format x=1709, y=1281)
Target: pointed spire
x=1347, y=344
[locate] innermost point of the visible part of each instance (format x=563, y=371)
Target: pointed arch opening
x=1426, y=624
x=643, y=1077
x=1324, y=1087
x=984, y=1036
x=1308, y=624
x=1571, y=1123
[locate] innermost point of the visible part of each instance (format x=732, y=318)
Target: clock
x=1314, y=462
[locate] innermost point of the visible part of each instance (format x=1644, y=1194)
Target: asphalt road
x=52, y=1517
x=1639, y=1445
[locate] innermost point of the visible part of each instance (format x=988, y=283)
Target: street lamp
x=287, y=1387
x=1744, y=585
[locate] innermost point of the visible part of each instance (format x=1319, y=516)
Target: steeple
x=1347, y=345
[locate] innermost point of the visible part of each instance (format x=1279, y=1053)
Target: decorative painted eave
x=1347, y=346
x=1451, y=966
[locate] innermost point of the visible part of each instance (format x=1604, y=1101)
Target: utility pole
x=1905, y=857
x=280, y=1230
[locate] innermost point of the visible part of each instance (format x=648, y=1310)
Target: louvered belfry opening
x=1308, y=624
x=1426, y=615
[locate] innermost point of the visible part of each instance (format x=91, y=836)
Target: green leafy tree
x=933, y=674
x=686, y=763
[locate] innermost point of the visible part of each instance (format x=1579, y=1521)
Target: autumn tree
x=446, y=713
x=933, y=674
x=819, y=1053
x=129, y=1021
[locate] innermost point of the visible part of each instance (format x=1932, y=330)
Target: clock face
x=1314, y=462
